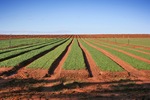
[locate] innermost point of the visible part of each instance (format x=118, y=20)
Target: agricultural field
x=75, y=67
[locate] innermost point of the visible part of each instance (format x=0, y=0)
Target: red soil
x=72, y=84
x=58, y=69
x=123, y=64
x=29, y=83
x=78, y=36
x=93, y=67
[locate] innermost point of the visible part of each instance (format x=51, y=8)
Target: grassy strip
x=75, y=59
x=26, y=46
x=102, y=61
x=125, y=49
x=133, y=41
x=47, y=60
x=15, y=61
x=18, y=42
x=13, y=52
x=132, y=61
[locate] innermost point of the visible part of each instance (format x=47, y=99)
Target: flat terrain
x=75, y=67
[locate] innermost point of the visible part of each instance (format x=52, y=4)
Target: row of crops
x=41, y=53
x=131, y=60
x=20, y=42
x=133, y=41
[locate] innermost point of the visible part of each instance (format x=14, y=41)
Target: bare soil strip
x=15, y=69
x=127, y=53
x=56, y=70
x=122, y=63
x=56, y=64
x=86, y=61
x=92, y=68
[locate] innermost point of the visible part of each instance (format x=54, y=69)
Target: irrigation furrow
x=122, y=63
x=16, y=68
x=92, y=68
x=55, y=68
x=127, y=53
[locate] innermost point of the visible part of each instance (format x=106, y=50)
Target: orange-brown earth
x=72, y=84
x=31, y=84
x=78, y=36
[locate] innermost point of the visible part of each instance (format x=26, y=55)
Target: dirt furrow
x=92, y=68
x=127, y=53
x=56, y=72
x=122, y=63
x=55, y=68
x=16, y=68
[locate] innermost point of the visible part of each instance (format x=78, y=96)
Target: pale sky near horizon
x=75, y=16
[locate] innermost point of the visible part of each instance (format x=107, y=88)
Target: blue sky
x=75, y=16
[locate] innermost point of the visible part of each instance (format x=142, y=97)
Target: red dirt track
x=95, y=71
x=90, y=83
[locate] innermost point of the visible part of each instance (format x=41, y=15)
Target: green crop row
x=132, y=61
x=28, y=46
x=75, y=59
x=136, y=41
x=102, y=61
x=25, y=49
x=133, y=41
x=18, y=42
x=132, y=51
x=18, y=59
x=47, y=60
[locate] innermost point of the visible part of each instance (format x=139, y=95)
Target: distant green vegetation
x=102, y=61
x=75, y=59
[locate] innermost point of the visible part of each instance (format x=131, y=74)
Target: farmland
x=60, y=65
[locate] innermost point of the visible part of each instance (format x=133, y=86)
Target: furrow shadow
x=16, y=68
x=57, y=61
x=31, y=45
x=86, y=61
x=15, y=55
x=19, y=48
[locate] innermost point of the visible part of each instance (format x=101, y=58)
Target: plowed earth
x=89, y=83
x=29, y=84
